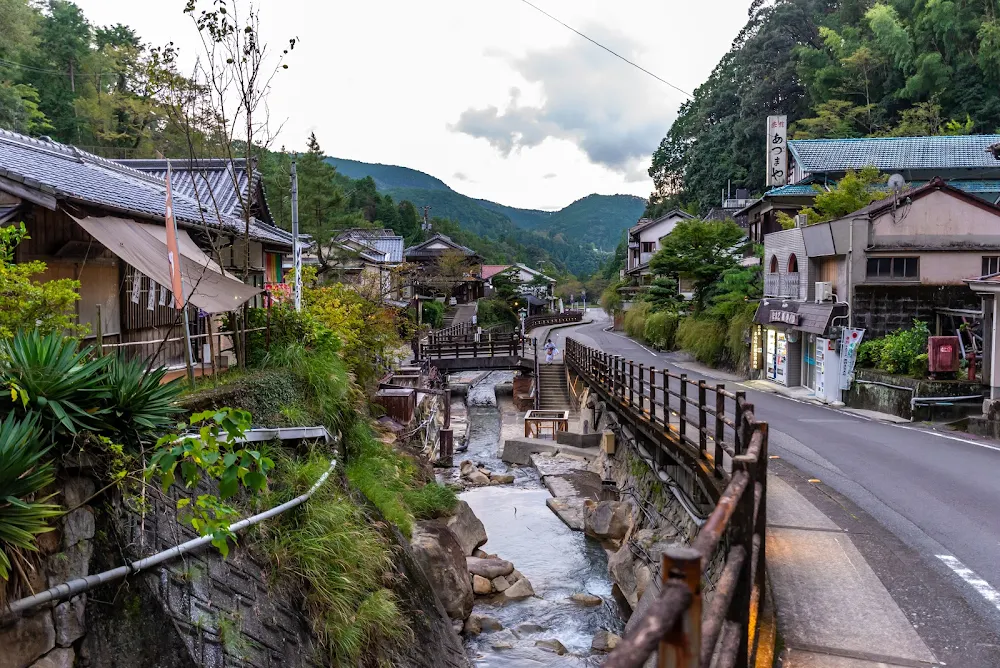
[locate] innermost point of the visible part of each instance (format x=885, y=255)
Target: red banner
x=280, y=292
x=173, y=255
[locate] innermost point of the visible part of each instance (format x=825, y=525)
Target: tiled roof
x=214, y=182
x=385, y=243
x=491, y=270
x=895, y=153
x=646, y=222
x=809, y=189
x=417, y=248
x=68, y=173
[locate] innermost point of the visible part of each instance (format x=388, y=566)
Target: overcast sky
x=490, y=96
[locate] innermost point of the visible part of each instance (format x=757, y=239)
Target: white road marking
x=972, y=579
x=951, y=438
x=631, y=340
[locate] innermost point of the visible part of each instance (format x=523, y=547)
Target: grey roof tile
x=895, y=153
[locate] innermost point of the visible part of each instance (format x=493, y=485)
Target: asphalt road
x=937, y=493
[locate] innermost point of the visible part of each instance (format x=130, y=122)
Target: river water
x=557, y=561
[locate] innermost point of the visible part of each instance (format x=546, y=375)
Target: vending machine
x=827, y=370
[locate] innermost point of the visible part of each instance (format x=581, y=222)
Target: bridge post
x=631, y=383
x=682, y=426
x=447, y=409
x=681, y=647
x=720, y=426
x=702, y=416
x=652, y=394
x=741, y=528
x=666, y=398
x=740, y=445
x=446, y=448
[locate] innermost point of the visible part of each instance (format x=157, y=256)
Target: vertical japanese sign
x=849, y=355
x=777, y=150
x=173, y=255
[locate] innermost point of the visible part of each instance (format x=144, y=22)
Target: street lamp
x=583, y=293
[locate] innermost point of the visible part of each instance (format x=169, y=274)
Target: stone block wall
x=885, y=308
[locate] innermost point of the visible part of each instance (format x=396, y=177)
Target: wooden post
x=447, y=443
x=666, y=398
x=738, y=446
x=447, y=409
x=682, y=409
x=702, y=416
x=631, y=383
x=268, y=341
x=99, y=332
x=720, y=426
x=741, y=531
x=642, y=395
x=681, y=647
x=652, y=394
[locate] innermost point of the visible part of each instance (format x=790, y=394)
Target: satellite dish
x=897, y=182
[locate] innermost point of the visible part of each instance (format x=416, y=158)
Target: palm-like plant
x=49, y=376
x=22, y=476
x=139, y=403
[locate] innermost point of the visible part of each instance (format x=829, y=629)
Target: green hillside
x=387, y=176
x=529, y=219
x=596, y=219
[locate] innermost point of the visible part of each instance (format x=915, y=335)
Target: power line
x=613, y=53
x=30, y=68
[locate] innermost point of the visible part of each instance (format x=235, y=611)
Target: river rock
x=480, y=553
x=478, y=478
x=489, y=568
x=586, y=599
x=608, y=519
x=570, y=509
x=551, y=645
x=27, y=639
x=520, y=589
x=504, y=640
x=481, y=586
x=443, y=561
x=62, y=657
x=501, y=478
x=528, y=628
x=477, y=624
x=467, y=528
x=515, y=576
x=490, y=624
x=466, y=467
x=500, y=583
x=620, y=566
x=604, y=641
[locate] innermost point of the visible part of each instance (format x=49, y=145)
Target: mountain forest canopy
x=848, y=68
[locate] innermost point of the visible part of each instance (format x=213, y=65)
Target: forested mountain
x=838, y=69
x=593, y=221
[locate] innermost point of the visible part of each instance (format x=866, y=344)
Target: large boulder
x=520, y=589
x=443, y=561
x=481, y=586
x=608, y=519
x=489, y=568
x=467, y=528
x=478, y=478
x=604, y=641
x=26, y=640
x=621, y=568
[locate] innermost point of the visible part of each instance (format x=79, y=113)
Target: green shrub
x=704, y=338
x=737, y=350
x=611, y=300
x=139, y=404
x=903, y=351
x=288, y=327
x=635, y=320
x=433, y=314
x=51, y=378
x=23, y=476
x=495, y=312
x=661, y=330
x=430, y=501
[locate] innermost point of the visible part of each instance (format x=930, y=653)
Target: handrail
x=549, y=319
x=78, y=586
x=674, y=621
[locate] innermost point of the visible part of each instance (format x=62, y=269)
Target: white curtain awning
x=144, y=247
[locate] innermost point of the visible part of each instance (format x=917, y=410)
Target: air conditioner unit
x=801, y=220
x=824, y=291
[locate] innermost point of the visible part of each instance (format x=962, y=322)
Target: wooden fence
x=549, y=319
x=727, y=451
x=510, y=346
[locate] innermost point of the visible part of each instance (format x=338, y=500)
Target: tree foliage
x=847, y=69
x=700, y=250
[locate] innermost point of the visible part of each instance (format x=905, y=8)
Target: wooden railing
x=727, y=451
x=549, y=319
x=511, y=346
x=445, y=333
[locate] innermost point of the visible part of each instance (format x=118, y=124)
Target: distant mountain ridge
x=592, y=222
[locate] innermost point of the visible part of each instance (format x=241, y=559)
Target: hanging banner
x=849, y=355
x=136, y=286
x=173, y=254
x=777, y=150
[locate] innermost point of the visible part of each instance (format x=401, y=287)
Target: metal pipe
x=81, y=585
x=881, y=384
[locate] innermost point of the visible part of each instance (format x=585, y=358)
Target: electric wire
x=613, y=53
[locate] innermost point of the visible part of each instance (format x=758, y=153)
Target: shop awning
x=144, y=247
x=808, y=317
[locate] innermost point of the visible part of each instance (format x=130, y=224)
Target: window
x=991, y=265
x=893, y=268
x=648, y=246
x=773, y=269
x=793, y=264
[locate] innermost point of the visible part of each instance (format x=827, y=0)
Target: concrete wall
x=873, y=393
x=937, y=219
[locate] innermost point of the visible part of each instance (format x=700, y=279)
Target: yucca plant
x=22, y=477
x=49, y=376
x=139, y=405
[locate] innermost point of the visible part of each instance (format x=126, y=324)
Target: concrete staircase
x=554, y=390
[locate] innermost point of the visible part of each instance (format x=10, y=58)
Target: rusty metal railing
x=683, y=628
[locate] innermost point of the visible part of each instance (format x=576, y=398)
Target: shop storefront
x=793, y=344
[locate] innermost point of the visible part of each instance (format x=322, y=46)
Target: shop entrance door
x=777, y=357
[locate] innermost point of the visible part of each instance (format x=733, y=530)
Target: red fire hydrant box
x=942, y=354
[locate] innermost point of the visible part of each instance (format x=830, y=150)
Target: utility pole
x=296, y=250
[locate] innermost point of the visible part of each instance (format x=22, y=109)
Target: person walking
x=550, y=349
